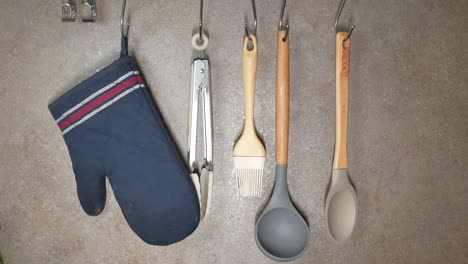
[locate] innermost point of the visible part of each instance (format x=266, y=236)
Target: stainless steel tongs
x=201, y=172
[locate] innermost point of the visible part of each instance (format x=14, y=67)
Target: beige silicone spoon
x=341, y=202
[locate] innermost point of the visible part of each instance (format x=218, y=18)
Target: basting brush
x=249, y=152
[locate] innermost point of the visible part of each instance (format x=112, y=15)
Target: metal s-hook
x=199, y=39
x=122, y=30
x=201, y=21
x=255, y=23
x=338, y=14
x=349, y=32
x=337, y=18
x=281, y=27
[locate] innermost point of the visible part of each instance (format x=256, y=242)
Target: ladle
x=282, y=234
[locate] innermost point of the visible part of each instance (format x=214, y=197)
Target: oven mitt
x=112, y=129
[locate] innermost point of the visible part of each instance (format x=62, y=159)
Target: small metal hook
x=337, y=18
x=122, y=30
x=88, y=11
x=68, y=10
x=281, y=27
x=255, y=23
x=349, y=33
x=201, y=21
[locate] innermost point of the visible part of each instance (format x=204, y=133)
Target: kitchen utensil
x=200, y=88
x=249, y=152
x=341, y=202
x=282, y=234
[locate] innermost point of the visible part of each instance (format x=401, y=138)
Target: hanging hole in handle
x=286, y=34
x=199, y=43
x=250, y=45
x=250, y=42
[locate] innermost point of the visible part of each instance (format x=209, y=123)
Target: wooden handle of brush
x=342, y=92
x=282, y=99
x=249, y=67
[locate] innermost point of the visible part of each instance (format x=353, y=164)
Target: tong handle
x=207, y=115
x=193, y=117
x=282, y=99
x=340, y=160
x=200, y=87
x=249, y=68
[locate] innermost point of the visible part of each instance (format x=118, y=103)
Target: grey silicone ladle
x=282, y=234
x=341, y=202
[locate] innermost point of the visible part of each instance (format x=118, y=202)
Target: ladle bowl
x=282, y=234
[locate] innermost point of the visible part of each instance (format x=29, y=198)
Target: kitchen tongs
x=201, y=172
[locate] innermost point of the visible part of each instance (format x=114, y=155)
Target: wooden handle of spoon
x=249, y=68
x=342, y=92
x=282, y=99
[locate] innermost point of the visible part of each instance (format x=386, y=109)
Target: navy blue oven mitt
x=112, y=129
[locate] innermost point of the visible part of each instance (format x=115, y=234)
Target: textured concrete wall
x=408, y=126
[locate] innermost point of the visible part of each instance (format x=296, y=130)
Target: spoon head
x=341, y=206
x=282, y=234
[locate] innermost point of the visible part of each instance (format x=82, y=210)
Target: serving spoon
x=341, y=201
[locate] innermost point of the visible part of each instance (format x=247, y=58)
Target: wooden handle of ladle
x=342, y=93
x=282, y=99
